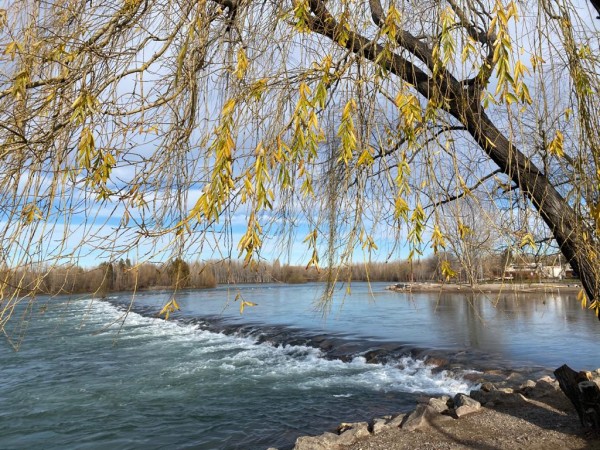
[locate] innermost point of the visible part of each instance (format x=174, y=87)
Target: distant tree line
x=177, y=274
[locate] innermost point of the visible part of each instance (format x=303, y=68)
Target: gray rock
x=529, y=384
x=379, y=424
x=464, y=405
x=515, y=377
x=466, y=409
x=420, y=417
x=354, y=432
x=487, y=387
x=396, y=421
x=326, y=441
x=506, y=390
x=547, y=379
x=542, y=389
x=424, y=399
x=465, y=400
x=498, y=397
x=439, y=404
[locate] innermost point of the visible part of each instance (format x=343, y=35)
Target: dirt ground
x=545, y=424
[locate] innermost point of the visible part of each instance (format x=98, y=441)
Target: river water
x=90, y=376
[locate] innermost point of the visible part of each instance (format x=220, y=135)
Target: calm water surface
x=212, y=378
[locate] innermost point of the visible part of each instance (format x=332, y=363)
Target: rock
x=439, y=404
x=420, y=417
x=475, y=377
x=379, y=424
x=464, y=410
x=498, y=397
x=396, y=421
x=585, y=375
x=547, y=379
x=542, y=389
x=344, y=426
x=464, y=400
x=515, y=376
x=326, y=441
x=529, y=384
x=424, y=399
x=465, y=405
x=487, y=387
x=436, y=361
x=506, y=390
x=354, y=432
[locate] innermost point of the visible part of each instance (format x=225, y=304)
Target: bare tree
x=153, y=125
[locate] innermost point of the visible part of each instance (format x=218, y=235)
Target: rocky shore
x=508, y=414
x=517, y=288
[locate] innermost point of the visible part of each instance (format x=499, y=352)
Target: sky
x=102, y=227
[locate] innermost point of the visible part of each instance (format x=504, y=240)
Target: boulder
x=351, y=432
x=529, y=384
x=436, y=361
x=439, y=404
x=396, y=422
x=464, y=410
x=420, y=417
x=547, y=379
x=464, y=400
x=326, y=441
x=487, y=387
x=543, y=389
x=465, y=405
x=506, y=390
x=379, y=425
x=497, y=397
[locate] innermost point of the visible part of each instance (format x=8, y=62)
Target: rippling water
x=212, y=378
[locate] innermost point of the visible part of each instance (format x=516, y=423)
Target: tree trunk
x=583, y=393
x=574, y=238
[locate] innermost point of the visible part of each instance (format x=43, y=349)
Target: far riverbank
x=516, y=288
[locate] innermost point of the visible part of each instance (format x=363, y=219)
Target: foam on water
x=304, y=366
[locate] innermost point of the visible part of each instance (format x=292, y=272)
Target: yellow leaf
x=365, y=158
x=30, y=212
x=437, y=239
x=170, y=307
x=463, y=230
x=447, y=271
x=556, y=145
x=242, y=63
x=87, y=148
x=527, y=240
x=582, y=298
x=12, y=48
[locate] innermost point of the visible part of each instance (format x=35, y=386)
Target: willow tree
x=156, y=124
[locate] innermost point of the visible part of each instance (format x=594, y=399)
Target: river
x=90, y=376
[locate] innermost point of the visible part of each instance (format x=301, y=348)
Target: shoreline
x=508, y=414
x=512, y=288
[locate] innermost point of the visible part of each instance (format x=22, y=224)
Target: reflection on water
x=548, y=329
